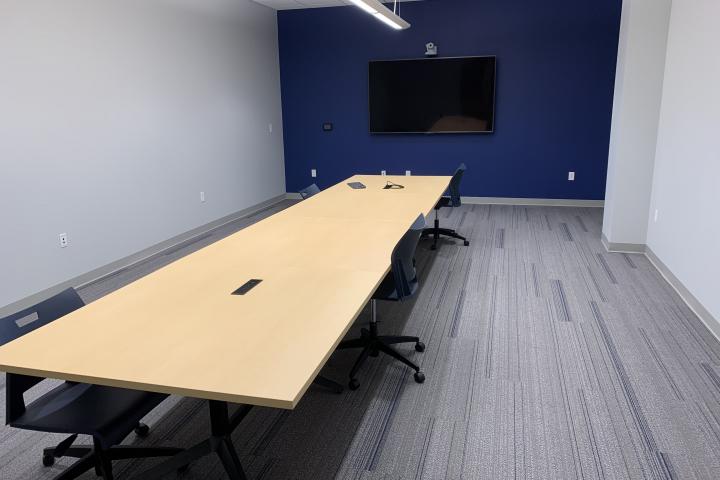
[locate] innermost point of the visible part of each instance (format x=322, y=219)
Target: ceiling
x=293, y=4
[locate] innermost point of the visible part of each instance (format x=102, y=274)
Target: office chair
x=399, y=284
x=108, y=414
x=308, y=192
x=452, y=201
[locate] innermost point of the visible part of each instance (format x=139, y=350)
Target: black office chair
x=108, y=414
x=452, y=201
x=399, y=284
x=308, y=192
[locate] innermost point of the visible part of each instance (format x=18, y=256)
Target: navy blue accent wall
x=556, y=74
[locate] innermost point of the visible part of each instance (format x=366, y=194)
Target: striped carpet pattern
x=547, y=358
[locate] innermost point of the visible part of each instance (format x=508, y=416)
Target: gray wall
x=686, y=184
x=115, y=114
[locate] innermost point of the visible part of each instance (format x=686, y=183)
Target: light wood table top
x=180, y=331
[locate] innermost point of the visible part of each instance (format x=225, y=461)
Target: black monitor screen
x=439, y=95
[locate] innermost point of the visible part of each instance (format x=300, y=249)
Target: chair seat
x=444, y=202
x=107, y=413
x=387, y=291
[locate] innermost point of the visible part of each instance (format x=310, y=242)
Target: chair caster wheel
x=467, y=244
x=419, y=377
x=142, y=430
x=419, y=347
x=354, y=384
x=48, y=460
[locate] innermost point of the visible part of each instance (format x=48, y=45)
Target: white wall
x=115, y=114
x=686, y=184
x=636, y=111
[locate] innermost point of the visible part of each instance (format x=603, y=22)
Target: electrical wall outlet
x=313, y=173
x=383, y=172
x=657, y=213
x=408, y=173
x=202, y=196
x=63, y=240
x=571, y=176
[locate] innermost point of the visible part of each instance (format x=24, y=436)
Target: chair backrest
x=309, y=191
x=32, y=318
x=24, y=322
x=403, y=260
x=455, y=185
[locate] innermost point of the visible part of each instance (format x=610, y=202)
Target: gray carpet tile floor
x=547, y=358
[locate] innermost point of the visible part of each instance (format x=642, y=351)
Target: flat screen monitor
x=434, y=95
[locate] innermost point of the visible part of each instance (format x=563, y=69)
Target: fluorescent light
x=382, y=13
x=364, y=6
x=387, y=21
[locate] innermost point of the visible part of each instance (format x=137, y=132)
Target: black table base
x=221, y=427
x=220, y=443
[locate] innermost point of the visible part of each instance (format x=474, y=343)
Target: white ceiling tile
x=280, y=4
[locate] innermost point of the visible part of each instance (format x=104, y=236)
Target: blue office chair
x=399, y=284
x=452, y=201
x=108, y=414
x=308, y=192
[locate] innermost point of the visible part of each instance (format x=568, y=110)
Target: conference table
x=180, y=330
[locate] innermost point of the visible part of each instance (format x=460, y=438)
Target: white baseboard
x=293, y=196
x=539, y=202
x=692, y=302
x=127, y=262
x=711, y=323
x=622, y=247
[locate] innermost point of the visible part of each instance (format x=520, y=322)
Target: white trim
x=710, y=322
x=293, y=196
x=690, y=300
x=622, y=247
x=131, y=260
x=540, y=202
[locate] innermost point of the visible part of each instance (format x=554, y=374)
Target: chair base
x=94, y=456
x=447, y=232
x=374, y=344
x=436, y=231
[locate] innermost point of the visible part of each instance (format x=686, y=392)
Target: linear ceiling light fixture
x=382, y=13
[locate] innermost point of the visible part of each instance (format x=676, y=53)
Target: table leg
x=220, y=443
x=327, y=383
